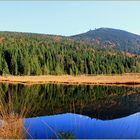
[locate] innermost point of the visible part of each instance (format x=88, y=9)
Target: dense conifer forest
x=35, y=54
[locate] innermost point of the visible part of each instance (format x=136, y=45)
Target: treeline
x=33, y=54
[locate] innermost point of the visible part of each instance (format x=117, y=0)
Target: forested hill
x=34, y=54
x=112, y=38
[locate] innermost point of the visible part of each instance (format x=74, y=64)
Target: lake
x=78, y=111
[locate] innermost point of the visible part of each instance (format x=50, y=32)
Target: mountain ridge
x=107, y=38
x=111, y=38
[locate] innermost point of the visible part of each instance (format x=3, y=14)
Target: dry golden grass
x=12, y=127
x=11, y=123
x=127, y=79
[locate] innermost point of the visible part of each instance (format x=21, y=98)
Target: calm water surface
x=84, y=111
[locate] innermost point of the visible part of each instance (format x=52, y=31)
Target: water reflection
x=102, y=102
x=83, y=127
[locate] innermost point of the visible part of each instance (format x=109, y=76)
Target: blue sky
x=69, y=17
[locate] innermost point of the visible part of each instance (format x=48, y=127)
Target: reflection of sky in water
x=83, y=126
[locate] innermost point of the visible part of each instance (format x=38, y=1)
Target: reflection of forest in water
x=104, y=102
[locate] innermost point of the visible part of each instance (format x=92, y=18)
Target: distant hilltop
x=111, y=38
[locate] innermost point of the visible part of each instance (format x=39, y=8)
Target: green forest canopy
x=34, y=54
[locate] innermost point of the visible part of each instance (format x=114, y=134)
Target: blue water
x=83, y=127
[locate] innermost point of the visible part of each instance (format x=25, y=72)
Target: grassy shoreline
x=117, y=79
